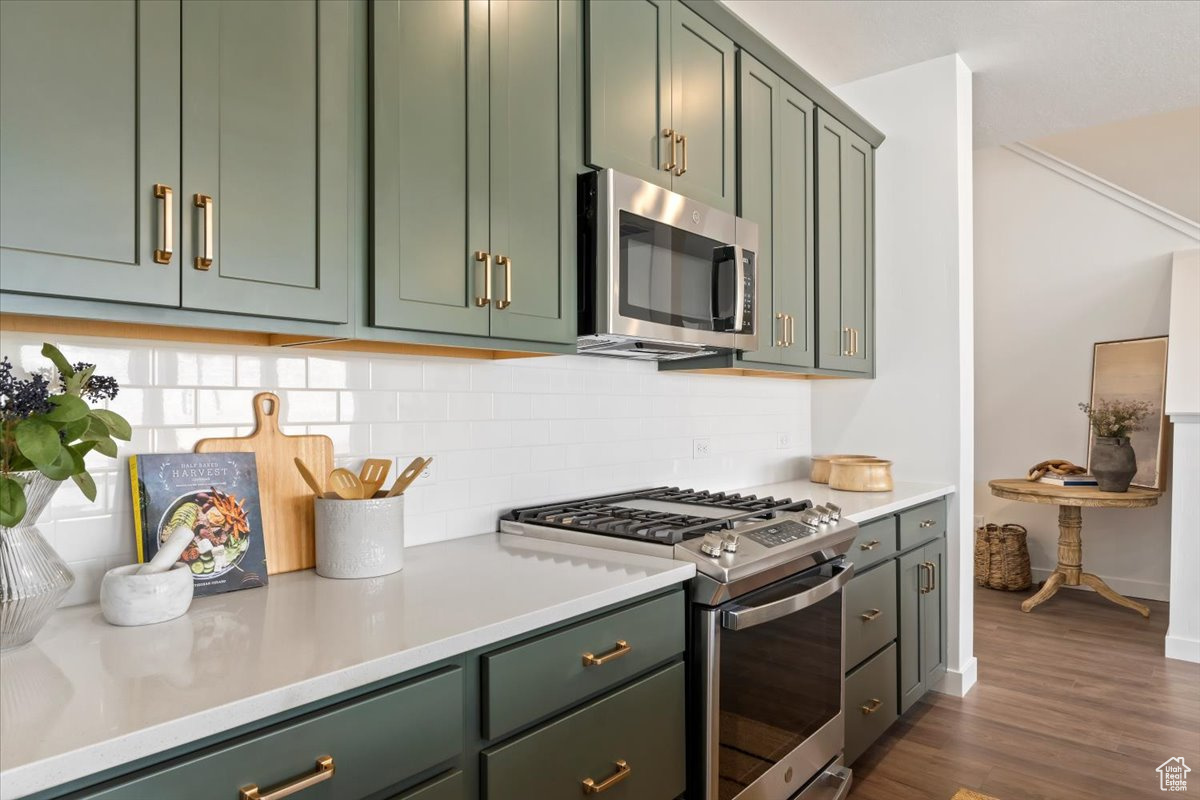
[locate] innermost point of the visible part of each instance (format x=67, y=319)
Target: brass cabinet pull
x=324, y=772
x=506, y=262
x=925, y=587
x=622, y=648
x=932, y=575
x=682, y=168
x=846, y=338
x=871, y=545
x=623, y=770
x=670, y=134
x=872, y=707
x=791, y=330
x=781, y=340
x=205, y=204
x=871, y=616
x=927, y=523
x=482, y=257
x=166, y=233
x=854, y=341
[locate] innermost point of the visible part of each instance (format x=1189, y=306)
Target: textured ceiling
x=1041, y=66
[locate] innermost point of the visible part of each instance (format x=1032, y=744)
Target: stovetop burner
x=668, y=515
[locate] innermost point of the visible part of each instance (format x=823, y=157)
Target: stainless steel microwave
x=661, y=276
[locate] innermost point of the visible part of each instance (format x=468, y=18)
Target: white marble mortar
x=127, y=598
x=359, y=538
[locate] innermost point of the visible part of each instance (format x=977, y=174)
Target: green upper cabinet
x=89, y=124
x=660, y=88
x=267, y=114
x=776, y=177
x=845, y=248
x=475, y=154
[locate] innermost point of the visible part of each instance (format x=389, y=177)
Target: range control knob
x=731, y=542
x=712, y=545
x=835, y=511
x=810, y=518
x=823, y=512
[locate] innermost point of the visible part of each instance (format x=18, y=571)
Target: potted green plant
x=47, y=427
x=1113, y=462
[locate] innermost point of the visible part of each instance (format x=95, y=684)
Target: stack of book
x=1067, y=480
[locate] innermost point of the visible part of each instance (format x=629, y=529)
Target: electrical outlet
x=784, y=441
x=701, y=448
x=429, y=474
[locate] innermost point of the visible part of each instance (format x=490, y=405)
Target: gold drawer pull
x=682, y=168
x=871, y=616
x=623, y=770
x=670, y=135
x=782, y=340
x=927, y=523
x=871, y=545
x=166, y=234
x=324, y=772
x=872, y=707
x=506, y=262
x=482, y=257
x=622, y=648
x=205, y=204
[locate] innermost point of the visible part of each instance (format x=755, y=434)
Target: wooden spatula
x=410, y=474
x=345, y=484
x=373, y=474
x=309, y=478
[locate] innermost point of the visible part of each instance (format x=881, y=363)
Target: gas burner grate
x=605, y=515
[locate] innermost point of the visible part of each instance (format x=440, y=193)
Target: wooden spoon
x=373, y=474
x=346, y=484
x=309, y=478
x=410, y=474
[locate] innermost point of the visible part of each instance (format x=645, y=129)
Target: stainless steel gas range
x=765, y=628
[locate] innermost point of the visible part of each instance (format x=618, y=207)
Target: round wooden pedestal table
x=1070, y=501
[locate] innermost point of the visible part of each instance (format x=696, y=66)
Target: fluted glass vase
x=33, y=578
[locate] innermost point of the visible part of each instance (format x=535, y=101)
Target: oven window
x=780, y=682
x=674, y=277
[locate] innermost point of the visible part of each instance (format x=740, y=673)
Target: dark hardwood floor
x=1075, y=701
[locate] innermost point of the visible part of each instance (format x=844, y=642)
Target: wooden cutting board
x=285, y=499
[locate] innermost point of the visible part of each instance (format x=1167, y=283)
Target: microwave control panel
x=748, y=301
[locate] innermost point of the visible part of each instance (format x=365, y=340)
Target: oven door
x=673, y=269
x=772, y=687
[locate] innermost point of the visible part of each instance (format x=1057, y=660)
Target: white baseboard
x=957, y=683
x=1182, y=648
x=1143, y=590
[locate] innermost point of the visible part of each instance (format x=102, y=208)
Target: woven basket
x=1002, y=558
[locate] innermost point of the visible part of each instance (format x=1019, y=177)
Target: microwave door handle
x=739, y=618
x=740, y=276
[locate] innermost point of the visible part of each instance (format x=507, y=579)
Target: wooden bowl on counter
x=860, y=474
x=820, y=465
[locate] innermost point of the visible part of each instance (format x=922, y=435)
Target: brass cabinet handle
x=682, y=168
x=846, y=338
x=205, y=204
x=166, y=233
x=854, y=341
x=323, y=773
x=870, y=616
x=871, y=545
x=791, y=329
x=506, y=262
x=482, y=257
x=670, y=134
x=872, y=707
x=932, y=575
x=622, y=648
x=781, y=340
x=927, y=523
x=623, y=770
x=925, y=588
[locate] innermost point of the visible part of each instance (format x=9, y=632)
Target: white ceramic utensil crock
x=359, y=538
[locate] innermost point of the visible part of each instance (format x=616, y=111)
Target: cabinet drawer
x=875, y=542
x=640, y=726
x=444, y=787
x=531, y=680
x=870, y=702
x=375, y=742
x=921, y=524
x=870, y=612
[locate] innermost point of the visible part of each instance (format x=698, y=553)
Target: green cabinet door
x=430, y=142
x=89, y=123
x=794, y=237
x=629, y=87
x=845, y=248
x=535, y=155
x=922, y=621
x=267, y=114
x=703, y=109
x=933, y=615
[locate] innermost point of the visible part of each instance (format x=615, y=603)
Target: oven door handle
x=738, y=618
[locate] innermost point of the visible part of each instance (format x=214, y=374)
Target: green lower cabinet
x=89, y=125
x=446, y=787
x=371, y=741
x=870, y=702
x=629, y=743
x=922, y=621
x=870, y=601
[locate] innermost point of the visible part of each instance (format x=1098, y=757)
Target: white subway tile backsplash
x=504, y=433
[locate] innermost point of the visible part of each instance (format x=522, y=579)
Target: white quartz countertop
x=857, y=506
x=86, y=696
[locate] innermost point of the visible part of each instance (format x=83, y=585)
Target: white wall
x=918, y=410
x=504, y=433
x=1061, y=265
